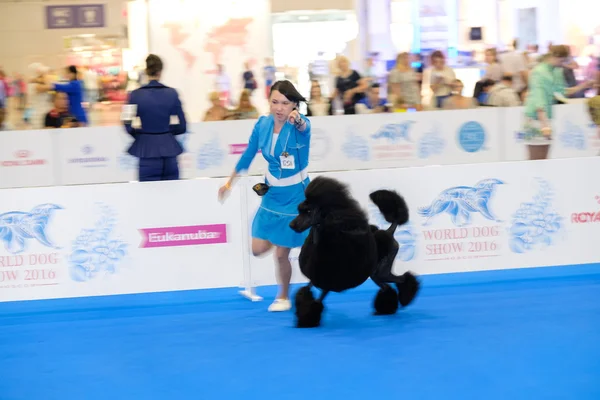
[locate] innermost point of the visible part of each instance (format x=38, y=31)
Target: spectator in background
x=3, y=99
x=503, y=95
x=456, y=101
x=217, y=112
x=593, y=106
x=90, y=79
x=372, y=103
x=513, y=64
x=74, y=89
x=223, y=86
x=482, y=91
x=569, y=67
x=546, y=80
x=438, y=80
x=349, y=85
x=248, y=78
x=494, y=69
x=318, y=105
x=245, y=109
x=59, y=116
x=404, y=82
x=269, y=75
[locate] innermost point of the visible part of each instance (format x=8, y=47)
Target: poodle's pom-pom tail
x=308, y=310
x=407, y=290
x=392, y=206
x=386, y=301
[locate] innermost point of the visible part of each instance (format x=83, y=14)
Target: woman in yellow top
x=545, y=81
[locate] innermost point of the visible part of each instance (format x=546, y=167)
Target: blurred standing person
x=437, y=81
x=269, y=75
x=513, y=64
x=318, y=105
x=546, y=80
x=494, y=69
x=404, y=82
x=248, y=79
x=223, y=86
x=38, y=101
x=3, y=99
x=74, y=89
x=349, y=85
x=154, y=143
x=90, y=77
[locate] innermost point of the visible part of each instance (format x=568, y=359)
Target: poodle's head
x=323, y=196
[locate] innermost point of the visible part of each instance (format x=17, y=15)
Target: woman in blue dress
x=283, y=138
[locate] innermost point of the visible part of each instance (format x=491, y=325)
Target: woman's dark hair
x=287, y=89
x=154, y=65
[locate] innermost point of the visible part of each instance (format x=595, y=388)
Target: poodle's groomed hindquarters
x=395, y=211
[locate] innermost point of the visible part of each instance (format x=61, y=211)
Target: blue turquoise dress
x=279, y=206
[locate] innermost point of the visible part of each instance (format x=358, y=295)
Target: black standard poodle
x=343, y=250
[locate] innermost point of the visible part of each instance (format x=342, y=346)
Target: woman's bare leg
x=284, y=271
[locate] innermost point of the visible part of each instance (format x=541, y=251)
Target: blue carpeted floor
x=525, y=334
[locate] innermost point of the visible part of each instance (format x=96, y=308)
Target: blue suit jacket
x=296, y=143
x=74, y=90
x=156, y=103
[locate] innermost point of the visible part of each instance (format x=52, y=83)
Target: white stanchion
x=249, y=290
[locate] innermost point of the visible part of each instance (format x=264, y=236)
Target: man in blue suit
x=155, y=144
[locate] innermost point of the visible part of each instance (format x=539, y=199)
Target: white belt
x=289, y=181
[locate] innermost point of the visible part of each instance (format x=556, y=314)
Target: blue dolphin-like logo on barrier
x=461, y=201
x=394, y=132
x=18, y=226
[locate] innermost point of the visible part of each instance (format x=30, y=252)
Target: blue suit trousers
x=158, y=169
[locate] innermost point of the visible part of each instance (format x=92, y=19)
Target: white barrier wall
x=167, y=236
x=353, y=142
x=75, y=241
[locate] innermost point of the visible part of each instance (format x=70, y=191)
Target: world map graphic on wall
x=234, y=33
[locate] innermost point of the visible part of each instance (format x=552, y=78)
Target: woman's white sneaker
x=280, y=305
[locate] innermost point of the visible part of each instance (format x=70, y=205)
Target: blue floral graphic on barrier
x=460, y=202
x=18, y=227
x=210, y=155
x=394, y=132
x=573, y=136
x=431, y=144
x=356, y=147
x=183, y=139
x=536, y=222
x=127, y=162
x=95, y=251
x=405, y=235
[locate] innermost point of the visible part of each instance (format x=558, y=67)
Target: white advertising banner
x=89, y=155
x=490, y=216
x=574, y=133
x=214, y=148
x=338, y=143
x=74, y=241
x=405, y=139
x=27, y=158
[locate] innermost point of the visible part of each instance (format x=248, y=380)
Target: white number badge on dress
x=287, y=162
